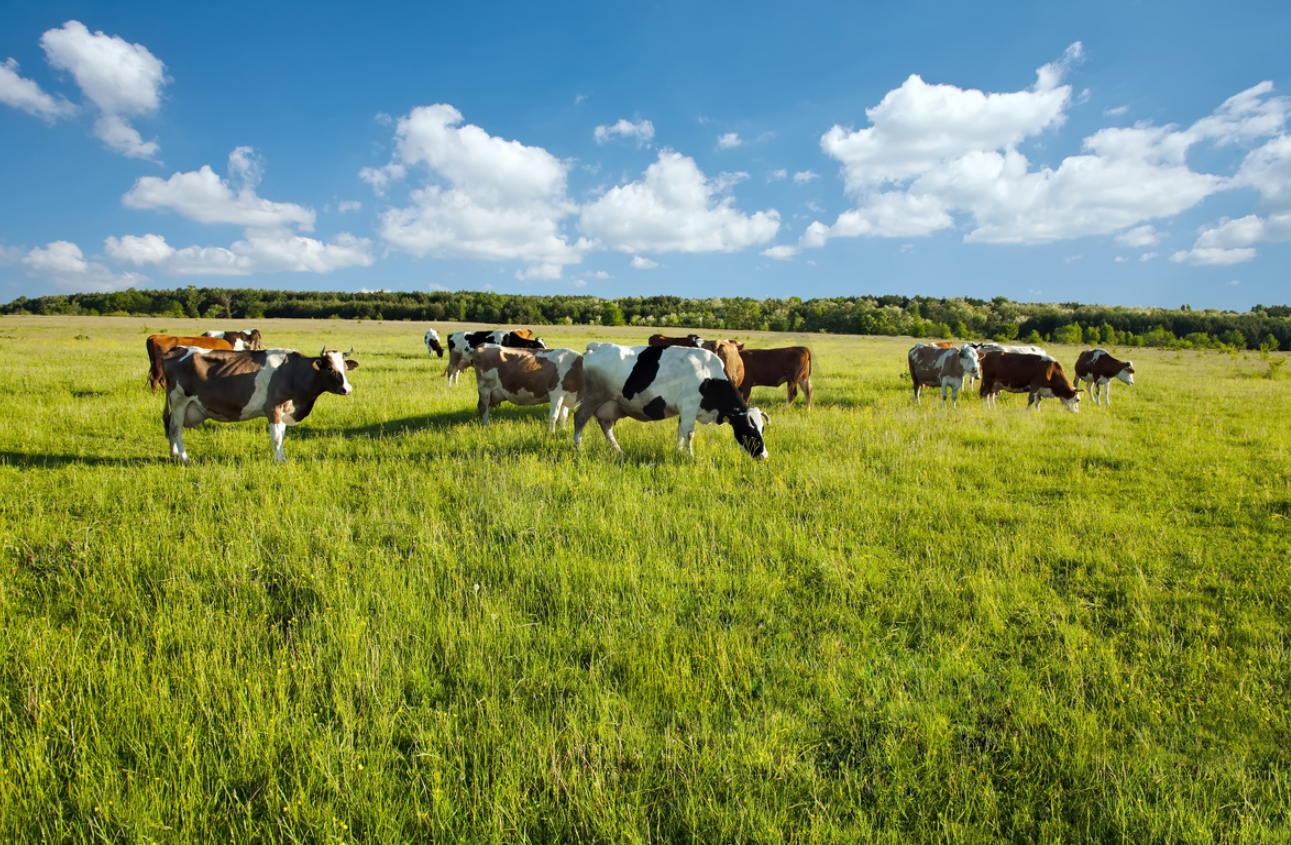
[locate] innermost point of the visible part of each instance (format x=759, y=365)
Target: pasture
x=908, y=625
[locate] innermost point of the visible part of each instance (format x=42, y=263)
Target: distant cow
x=279, y=384
x=158, y=345
x=932, y=366
x=729, y=352
x=1098, y=368
x=969, y=378
x=790, y=365
x=458, y=342
x=1038, y=376
x=527, y=377
x=983, y=348
x=433, y=346
x=691, y=340
x=656, y=382
x=250, y=338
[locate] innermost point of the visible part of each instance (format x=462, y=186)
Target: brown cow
x=1099, y=368
x=774, y=367
x=1038, y=376
x=729, y=352
x=159, y=344
x=527, y=377
x=692, y=340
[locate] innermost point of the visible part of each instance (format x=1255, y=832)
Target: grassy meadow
x=910, y=624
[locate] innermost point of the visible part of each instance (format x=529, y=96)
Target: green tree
x=612, y=315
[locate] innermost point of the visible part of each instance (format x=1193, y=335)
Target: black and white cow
x=249, y=338
x=281, y=385
x=458, y=342
x=433, y=346
x=1098, y=368
x=656, y=382
x=932, y=366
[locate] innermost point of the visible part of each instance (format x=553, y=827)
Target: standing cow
x=250, y=338
x=527, y=377
x=1038, y=376
x=729, y=352
x=656, y=382
x=279, y=384
x=459, y=342
x=790, y=366
x=931, y=366
x=158, y=345
x=1098, y=368
x=691, y=340
x=433, y=346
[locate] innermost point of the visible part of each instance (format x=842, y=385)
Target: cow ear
x=766, y=418
x=318, y=363
x=350, y=363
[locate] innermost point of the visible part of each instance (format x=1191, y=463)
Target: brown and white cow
x=691, y=340
x=790, y=365
x=159, y=344
x=933, y=366
x=1098, y=368
x=459, y=342
x=281, y=385
x=729, y=352
x=250, y=338
x=527, y=377
x=1038, y=376
x=433, y=346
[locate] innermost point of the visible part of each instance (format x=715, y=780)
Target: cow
x=1038, y=376
x=969, y=378
x=281, y=385
x=527, y=377
x=459, y=342
x=1098, y=368
x=790, y=365
x=250, y=338
x=729, y=352
x=433, y=346
x=158, y=345
x=690, y=340
x=656, y=382
x=932, y=366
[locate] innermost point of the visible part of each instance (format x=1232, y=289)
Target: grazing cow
x=459, y=342
x=729, y=352
x=1098, y=368
x=527, y=377
x=656, y=382
x=433, y=346
x=932, y=366
x=278, y=384
x=1038, y=376
x=159, y=344
x=790, y=365
x=691, y=340
x=250, y=338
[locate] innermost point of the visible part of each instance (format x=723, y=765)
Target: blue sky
x=1125, y=153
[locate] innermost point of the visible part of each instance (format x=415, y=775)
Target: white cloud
x=601, y=274
x=729, y=141
x=778, y=175
x=27, y=95
x=725, y=181
x=1268, y=170
x=1147, y=256
x=674, y=209
x=266, y=251
x=10, y=254
x=346, y=206
x=642, y=130
x=63, y=263
x=1232, y=241
x=802, y=177
x=139, y=250
x=580, y=283
x=1116, y=111
x=203, y=196
x=639, y=263
x=381, y=177
x=124, y=80
x=1140, y=236
x=782, y=253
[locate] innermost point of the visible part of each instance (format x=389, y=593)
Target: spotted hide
x=656, y=382
x=1099, y=369
x=433, y=346
x=250, y=338
x=527, y=377
x=932, y=366
x=1040, y=377
x=459, y=342
x=226, y=386
x=158, y=345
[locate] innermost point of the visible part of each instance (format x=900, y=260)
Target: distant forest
x=1265, y=328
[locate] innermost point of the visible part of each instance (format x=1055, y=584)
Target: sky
x=1132, y=153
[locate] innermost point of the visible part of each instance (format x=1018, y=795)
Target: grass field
x=911, y=624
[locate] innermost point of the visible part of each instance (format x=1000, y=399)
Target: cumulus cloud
x=24, y=94
x=346, y=206
x=674, y=208
x=123, y=80
x=63, y=263
x=1139, y=236
x=267, y=251
x=729, y=141
x=802, y=177
x=781, y=253
x=1232, y=241
x=639, y=263
x=642, y=130
x=778, y=175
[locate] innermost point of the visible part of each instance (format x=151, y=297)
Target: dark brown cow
x=774, y=367
x=691, y=340
x=159, y=344
x=1098, y=368
x=1038, y=376
x=729, y=352
x=279, y=384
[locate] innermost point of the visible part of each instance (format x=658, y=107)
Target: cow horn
x=348, y=354
x=324, y=352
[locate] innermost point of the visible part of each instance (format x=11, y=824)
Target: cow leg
x=482, y=408
x=793, y=392
x=1107, y=393
x=276, y=432
x=173, y=416
x=607, y=426
x=554, y=414
x=806, y=390
x=916, y=392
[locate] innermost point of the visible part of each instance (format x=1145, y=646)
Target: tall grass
x=911, y=624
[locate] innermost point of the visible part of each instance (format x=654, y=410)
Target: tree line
x=1262, y=327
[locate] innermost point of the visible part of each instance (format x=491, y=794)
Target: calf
x=459, y=342
x=690, y=340
x=1040, y=377
x=527, y=377
x=279, y=384
x=158, y=345
x=790, y=365
x=932, y=366
x=656, y=382
x=433, y=346
x=1098, y=368
x=729, y=352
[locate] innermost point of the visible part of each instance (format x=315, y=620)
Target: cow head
x=1072, y=404
x=332, y=366
x=1127, y=373
x=748, y=426
x=968, y=358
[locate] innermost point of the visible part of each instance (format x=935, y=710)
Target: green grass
x=909, y=625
